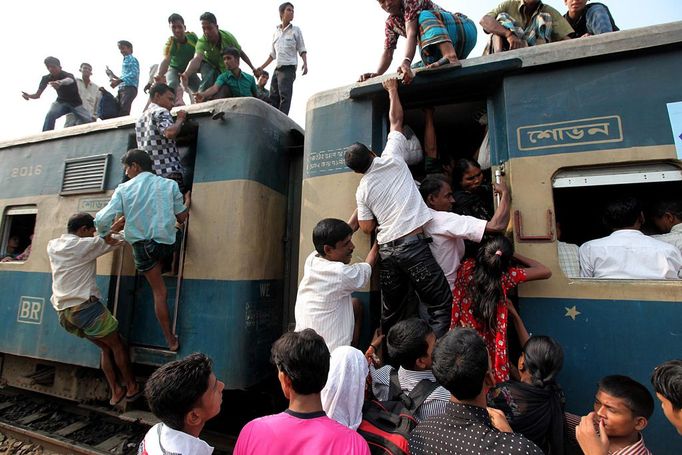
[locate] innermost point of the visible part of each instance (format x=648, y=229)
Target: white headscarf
x=344, y=393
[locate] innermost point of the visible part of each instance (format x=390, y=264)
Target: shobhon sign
x=597, y=130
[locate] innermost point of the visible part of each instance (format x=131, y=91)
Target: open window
x=18, y=225
x=582, y=193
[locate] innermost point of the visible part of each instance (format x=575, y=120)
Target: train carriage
x=227, y=295
x=572, y=125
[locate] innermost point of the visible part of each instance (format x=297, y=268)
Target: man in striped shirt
x=622, y=408
x=410, y=343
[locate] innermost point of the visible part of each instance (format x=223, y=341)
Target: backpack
x=386, y=425
x=108, y=106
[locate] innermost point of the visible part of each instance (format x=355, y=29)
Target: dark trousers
x=125, y=98
x=408, y=266
x=282, y=87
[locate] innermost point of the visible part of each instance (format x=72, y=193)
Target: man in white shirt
x=75, y=296
x=667, y=217
x=286, y=43
x=627, y=253
x=323, y=302
x=89, y=92
x=449, y=230
x=388, y=199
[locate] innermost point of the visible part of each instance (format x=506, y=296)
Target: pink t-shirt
x=293, y=433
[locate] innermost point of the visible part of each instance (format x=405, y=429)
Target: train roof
x=481, y=70
x=243, y=106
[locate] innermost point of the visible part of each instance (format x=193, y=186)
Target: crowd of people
x=216, y=56
x=447, y=270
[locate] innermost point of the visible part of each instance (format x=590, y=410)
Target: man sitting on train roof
x=589, y=19
x=514, y=24
x=667, y=216
x=233, y=83
x=208, y=59
x=622, y=408
x=68, y=99
x=75, y=296
x=387, y=197
x=627, y=253
x=177, y=53
x=449, y=230
x=184, y=395
x=156, y=131
x=323, y=301
x=667, y=382
x=151, y=206
x=302, y=360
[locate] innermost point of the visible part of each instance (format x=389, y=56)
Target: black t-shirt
x=66, y=93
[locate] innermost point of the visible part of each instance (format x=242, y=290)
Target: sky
x=343, y=38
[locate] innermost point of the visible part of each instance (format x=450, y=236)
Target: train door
x=143, y=328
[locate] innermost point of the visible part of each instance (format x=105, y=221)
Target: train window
x=18, y=225
x=84, y=175
x=581, y=195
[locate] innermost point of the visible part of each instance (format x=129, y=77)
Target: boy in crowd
x=151, y=205
x=622, y=408
x=184, y=395
x=156, y=131
x=462, y=366
x=410, y=343
x=627, y=253
x=207, y=57
x=302, y=361
x=76, y=298
x=177, y=53
x=287, y=41
x=129, y=80
x=263, y=93
x=68, y=99
x=667, y=382
x=233, y=83
x=324, y=302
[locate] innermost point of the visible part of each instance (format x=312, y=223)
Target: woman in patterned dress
x=480, y=296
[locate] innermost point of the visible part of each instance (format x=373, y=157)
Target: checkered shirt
x=149, y=130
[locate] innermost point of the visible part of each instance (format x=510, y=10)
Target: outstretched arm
x=430, y=143
x=384, y=63
x=412, y=29
x=534, y=269
x=395, y=111
x=373, y=254
x=498, y=223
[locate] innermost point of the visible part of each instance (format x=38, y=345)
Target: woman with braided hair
x=534, y=406
x=480, y=296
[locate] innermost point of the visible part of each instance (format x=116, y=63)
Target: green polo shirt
x=516, y=8
x=212, y=53
x=244, y=85
x=180, y=54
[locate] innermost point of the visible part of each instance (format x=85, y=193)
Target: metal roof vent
x=84, y=175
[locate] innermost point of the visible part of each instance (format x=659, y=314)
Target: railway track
x=62, y=427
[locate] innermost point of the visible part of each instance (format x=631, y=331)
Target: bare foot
x=174, y=344
x=117, y=396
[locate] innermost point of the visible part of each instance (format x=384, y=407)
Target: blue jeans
x=59, y=109
x=209, y=74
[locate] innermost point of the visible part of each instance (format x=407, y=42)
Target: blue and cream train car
x=572, y=125
x=229, y=297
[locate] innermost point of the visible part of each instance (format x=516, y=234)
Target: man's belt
x=409, y=239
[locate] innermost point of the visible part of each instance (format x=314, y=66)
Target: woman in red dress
x=480, y=296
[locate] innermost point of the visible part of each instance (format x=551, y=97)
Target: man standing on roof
x=177, y=53
x=68, y=99
x=514, y=24
x=208, y=59
x=286, y=43
x=129, y=80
